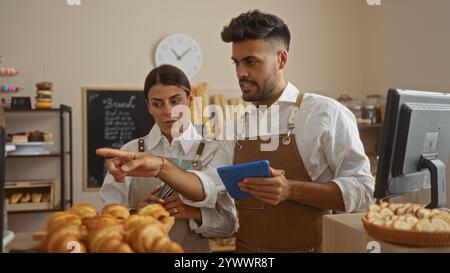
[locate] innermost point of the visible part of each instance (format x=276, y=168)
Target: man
x=319, y=164
x=320, y=143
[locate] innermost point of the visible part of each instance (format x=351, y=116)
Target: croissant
x=25, y=198
x=150, y=238
x=36, y=197
x=101, y=239
x=63, y=217
x=15, y=197
x=85, y=211
x=158, y=212
x=59, y=238
x=100, y=221
x=117, y=210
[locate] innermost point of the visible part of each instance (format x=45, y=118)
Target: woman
x=173, y=156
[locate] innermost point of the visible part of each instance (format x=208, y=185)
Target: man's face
x=256, y=68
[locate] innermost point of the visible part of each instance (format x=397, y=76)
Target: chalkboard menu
x=112, y=117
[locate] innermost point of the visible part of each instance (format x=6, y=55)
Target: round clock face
x=181, y=51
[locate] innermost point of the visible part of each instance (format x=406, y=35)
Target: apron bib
x=289, y=226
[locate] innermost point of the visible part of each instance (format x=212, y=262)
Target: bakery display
x=44, y=95
x=408, y=224
x=83, y=229
x=19, y=137
x=36, y=136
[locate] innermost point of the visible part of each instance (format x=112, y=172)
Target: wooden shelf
x=377, y=126
x=32, y=110
x=33, y=156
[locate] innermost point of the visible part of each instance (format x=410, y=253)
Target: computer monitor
x=415, y=145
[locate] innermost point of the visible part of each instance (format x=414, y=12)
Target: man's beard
x=263, y=91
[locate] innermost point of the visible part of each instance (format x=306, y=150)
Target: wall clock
x=182, y=51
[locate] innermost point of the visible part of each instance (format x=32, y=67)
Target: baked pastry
x=36, y=136
x=62, y=239
x=100, y=221
x=7, y=200
x=61, y=218
x=46, y=197
x=36, y=197
x=48, y=137
x=409, y=217
x=44, y=85
x=117, y=210
x=158, y=212
x=26, y=197
x=105, y=233
x=15, y=197
x=19, y=138
x=109, y=239
x=85, y=211
x=150, y=238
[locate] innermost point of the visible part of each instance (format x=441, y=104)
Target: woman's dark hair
x=167, y=75
x=255, y=24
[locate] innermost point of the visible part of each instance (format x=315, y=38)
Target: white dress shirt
x=217, y=209
x=328, y=141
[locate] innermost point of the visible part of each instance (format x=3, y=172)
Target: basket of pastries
x=408, y=224
x=82, y=229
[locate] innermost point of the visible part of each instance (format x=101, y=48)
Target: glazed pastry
x=85, y=211
x=44, y=85
x=58, y=239
x=61, y=218
x=36, y=197
x=100, y=221
x=26, y=197
x=149, y=238
x=158, y=212
x=117, y=210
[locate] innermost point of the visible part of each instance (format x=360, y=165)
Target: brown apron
x=181, y=231
x=289, y=226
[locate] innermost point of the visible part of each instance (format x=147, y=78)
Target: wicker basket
x=407, y=237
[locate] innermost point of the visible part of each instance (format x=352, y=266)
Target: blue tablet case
x=232, y=175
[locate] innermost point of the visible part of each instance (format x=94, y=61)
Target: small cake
x=48, y=137
x=36, y=136
x=19, y=138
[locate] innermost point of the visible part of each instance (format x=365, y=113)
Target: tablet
x=232, y=175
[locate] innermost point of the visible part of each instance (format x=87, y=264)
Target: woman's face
x=161, y=100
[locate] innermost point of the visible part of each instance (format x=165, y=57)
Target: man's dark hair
x=167, y=75
x=255, y=24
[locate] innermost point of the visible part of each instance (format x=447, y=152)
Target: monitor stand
x=438, y=183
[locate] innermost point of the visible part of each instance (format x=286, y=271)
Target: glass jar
x=369, y=112
x=356, y=108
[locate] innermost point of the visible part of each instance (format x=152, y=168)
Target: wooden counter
x=346, y=233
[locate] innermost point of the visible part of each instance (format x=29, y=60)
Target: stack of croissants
x=113, y=230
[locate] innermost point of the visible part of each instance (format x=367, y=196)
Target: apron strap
x=293, y=118
x=141, y=145
x=198, y=153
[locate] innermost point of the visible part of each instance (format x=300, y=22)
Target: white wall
x=406, y=46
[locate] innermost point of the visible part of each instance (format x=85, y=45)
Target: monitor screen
x=415, y=145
